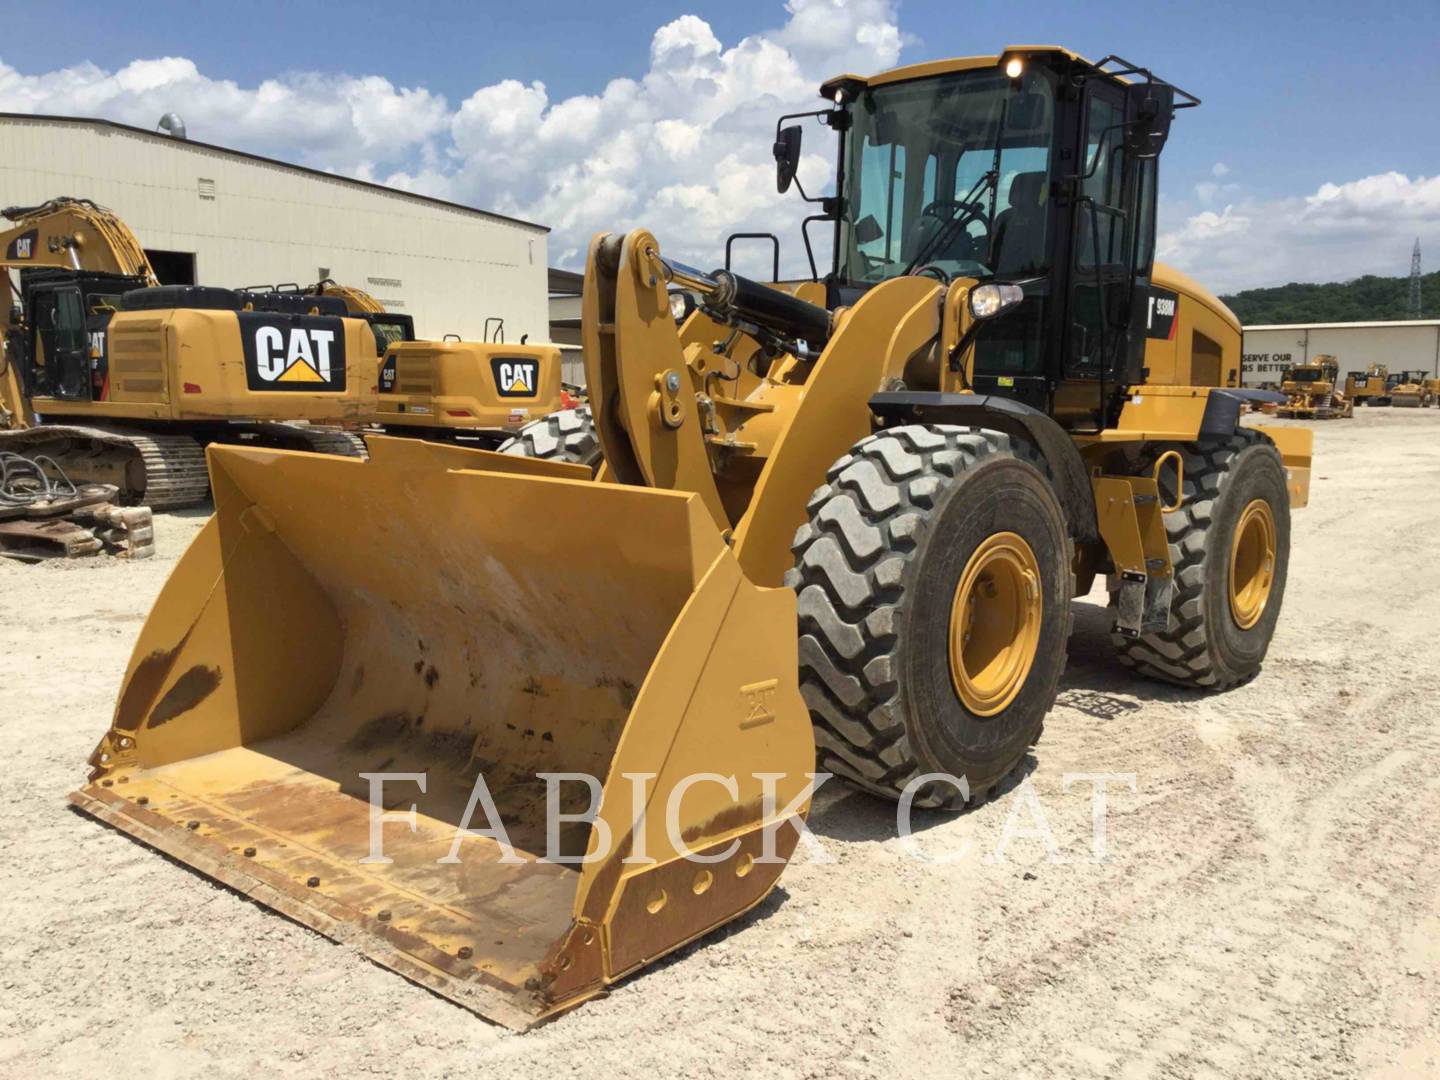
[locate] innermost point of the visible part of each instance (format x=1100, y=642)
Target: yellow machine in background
x=121, y=380
x=1369, y=388
x=459, y=391
x=1411, y=390
x=71, y=234
x=467, y=391
x=993, y=398
x=1310, y=391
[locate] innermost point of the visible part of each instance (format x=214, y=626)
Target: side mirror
x=787, y=156
x=1151, y=107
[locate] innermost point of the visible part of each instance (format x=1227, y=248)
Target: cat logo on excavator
x=515, y=377
x=23, y=246
x=293, y=353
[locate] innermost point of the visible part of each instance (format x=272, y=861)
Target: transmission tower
x=1415, y=281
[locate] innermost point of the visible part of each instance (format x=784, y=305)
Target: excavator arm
x=72, y=234
x=357, y=301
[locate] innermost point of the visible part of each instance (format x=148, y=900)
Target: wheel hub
x=1252, y=563
x=995, y=623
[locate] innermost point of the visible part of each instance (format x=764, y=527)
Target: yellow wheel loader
x=475, y=393
x=841, y=518
x=121, y=380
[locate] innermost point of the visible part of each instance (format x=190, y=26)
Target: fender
x=1067, y=468
x=1224, y=405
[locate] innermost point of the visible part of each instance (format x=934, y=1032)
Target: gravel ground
x=1267, y=904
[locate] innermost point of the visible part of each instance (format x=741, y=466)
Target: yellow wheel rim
x=1252, y=564
x=995, y=623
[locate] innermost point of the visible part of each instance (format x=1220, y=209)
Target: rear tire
x=893, y=535
x=1207, y=645
x=568, y=435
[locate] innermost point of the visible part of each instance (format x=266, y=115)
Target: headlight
x=987, y=301
x=681, y=304
x=1014, y=67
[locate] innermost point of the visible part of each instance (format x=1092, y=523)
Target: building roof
x=565, y=282
x=171, y=141
x=1397, y=323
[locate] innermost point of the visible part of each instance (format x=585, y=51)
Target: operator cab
x=61, y=343
x=1037, y=169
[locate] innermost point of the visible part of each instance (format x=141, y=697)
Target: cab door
x=62, y=357
x=1098, y=309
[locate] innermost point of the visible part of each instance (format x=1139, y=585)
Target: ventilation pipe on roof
x=172, y=125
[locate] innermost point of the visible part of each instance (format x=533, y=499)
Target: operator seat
x=1019, y=242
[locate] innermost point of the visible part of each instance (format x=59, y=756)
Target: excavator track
x=171, y=471
x=319, y=440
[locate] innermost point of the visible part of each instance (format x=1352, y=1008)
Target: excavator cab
x=62, y=354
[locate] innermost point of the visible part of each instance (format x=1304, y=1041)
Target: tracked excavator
x=125, y=381
x=994, y=399
x=1368, y=388
x=475, y=393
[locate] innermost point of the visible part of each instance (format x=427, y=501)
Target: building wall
x=263, y=223
x=1400, y=346
x=565, y=332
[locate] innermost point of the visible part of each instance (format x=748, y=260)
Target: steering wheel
x=952, y=215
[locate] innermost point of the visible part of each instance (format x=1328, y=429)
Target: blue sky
x=1297, y=96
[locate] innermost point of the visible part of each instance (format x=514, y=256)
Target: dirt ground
x=1267, y=904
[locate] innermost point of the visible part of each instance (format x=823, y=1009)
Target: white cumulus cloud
x=1340, y=231
x=682, y=148
x=348, y=124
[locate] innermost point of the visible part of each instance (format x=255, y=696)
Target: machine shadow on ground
x=1094, y=683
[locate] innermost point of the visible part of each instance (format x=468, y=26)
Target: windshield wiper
x=950, y=228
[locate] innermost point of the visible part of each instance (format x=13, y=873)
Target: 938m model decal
x=516, y=376
x=1161, y=312
x=304, y=353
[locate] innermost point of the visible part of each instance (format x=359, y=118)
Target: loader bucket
x=459, y=616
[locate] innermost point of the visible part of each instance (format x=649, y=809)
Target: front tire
x=1230, y=549
x=934, y=582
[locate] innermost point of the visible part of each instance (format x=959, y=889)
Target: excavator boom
x=73, y=234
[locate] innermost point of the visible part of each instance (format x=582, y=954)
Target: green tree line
x=1366, y=299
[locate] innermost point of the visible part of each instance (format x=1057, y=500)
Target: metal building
x=565, y=289
x=1400, y=346
x=214, y=216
